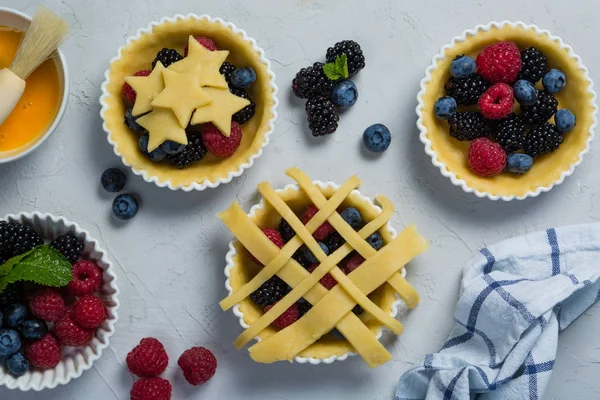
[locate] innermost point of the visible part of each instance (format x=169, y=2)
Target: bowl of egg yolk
x=44, y=102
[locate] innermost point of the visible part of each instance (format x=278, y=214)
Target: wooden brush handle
x=12, y=88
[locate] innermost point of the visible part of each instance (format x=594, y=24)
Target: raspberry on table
x=327, y=280
x=48, y=305
x=220, y=145
x=510, y=133
x=274, y=236
x=312, y=81
x=469, y=125
x=151, y=389
x=148, y=359
x=270, y=292
x=486, y=158
x=128, y=92
x=322, y=231
x=198, y=365
x=500, y=62
x=287, y=318
x=44, y=353
x=71, y=334
x=69, y=246
x=542, y=139
x=466, y=91
x=88, y=312
x=497, y=102
x=87, y=277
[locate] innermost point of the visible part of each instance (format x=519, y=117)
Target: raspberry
x=287, y=318
x=44, y=353
x=88, y=312
x=324, y=230
x=47, y=304
x=499, y=62
x=87, y=278
x=128, y=92
x=497, y=102
x=274, y=236
x=354, y=262
x=148, y=359
x=327, y=280
x=204, y=41
x=486, y=158
x=70, y=334
x=220, y=145
x=198, y=365
x=151, y=389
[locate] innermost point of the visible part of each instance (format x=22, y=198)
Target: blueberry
x=375, y=240
x=525, y=92
x=462, y=66
x=132, y=124
x=33, y=329
x=377, y=138
x=156, y=155
x=565, y=120
x=125, y=206
x=518, y=163
x=171, y=147
x=344, y=94
x=10, y=342
x=554, y=81
x=17, y=365
x=243, y=77
x=352, y=216
x=310, y=256
x=15, y=314
x=445, y=107
x=113, y=180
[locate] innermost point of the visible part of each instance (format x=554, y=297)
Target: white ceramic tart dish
x=138, y=53
x=74, y=360
x=449, y=155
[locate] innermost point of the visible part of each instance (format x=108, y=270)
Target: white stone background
x=170, y=258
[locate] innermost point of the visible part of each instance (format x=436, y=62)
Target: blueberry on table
x=33, y=329
x=243, y=78
x=15, y=314
x=462, y=66
x=344, y=94
x=445, y=107
x=113, y=180
x=377, y=138
x=518, y=163
x=17, y=365
x=565, y=120
x=125, y=206
x=10, y=342
x=554, y=81
x=525, y=92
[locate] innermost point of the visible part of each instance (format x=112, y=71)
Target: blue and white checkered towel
x=515, y=298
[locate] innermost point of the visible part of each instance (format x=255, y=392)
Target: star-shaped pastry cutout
x=146, y=88
x=182, y=94
x=219, y=111
x=162, y=125
x=210, y=62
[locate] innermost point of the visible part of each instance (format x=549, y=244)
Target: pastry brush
x=45, y=33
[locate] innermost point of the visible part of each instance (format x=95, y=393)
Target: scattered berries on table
x=497, y=102
x=125, y=206
x=525, y=92
x=220, y=145
x=132, y=124
x=462, y=66
x=469, y=125
x=44, y=353
x=87, y=277
x=204, y=41
x=445, y=107
x=286, y=230
x=10, y=342
x=375, y=240
x=352, y=50
x=519, y=163
x=71, y=334
x=354, y=262
x=344, y=94
x=151, y=389
x=243, y=78
x=486, y=158
x=554, y=81
x=543, y=109
x=16, y=239
x=68, y=245
x=542, y=139
x=17, y=365
x=113, y=180
x=246, y=113
x=377, y=138
x=287, y=318
x=128, y=92
x=510, y=133
x=170, y=147
x=322, y=231
x=48, y=305
x=15, y=315
x=466, y=91
x=327, y=280
x=534, y=63
x=311, y=82
x=334, y=242
x=352, y=216
x=499, y=62
x=167, y=57
x=227, y=69
x=33, y=329
x=192, y=153
x=310, y=256
x=88, y=312
x=565, y=120
x=198, y=365
x=155, y=155
x=322, y=116
x=270, y=292
x=148, y=359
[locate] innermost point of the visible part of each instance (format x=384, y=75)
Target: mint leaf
x=9, y=264
x=342, y=65
x=331, y=71
x=43, y=265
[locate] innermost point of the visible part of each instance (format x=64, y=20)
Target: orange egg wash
x=39, y=105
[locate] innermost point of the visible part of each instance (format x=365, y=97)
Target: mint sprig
x=338, y=69
x=43, y=265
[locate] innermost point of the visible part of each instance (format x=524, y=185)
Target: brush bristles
x=46, y=32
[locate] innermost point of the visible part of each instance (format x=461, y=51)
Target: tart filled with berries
x=507, y=111
x=189, y=103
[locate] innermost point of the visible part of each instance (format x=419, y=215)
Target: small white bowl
x=18, y=20
x=75, y=360
x=233, y=252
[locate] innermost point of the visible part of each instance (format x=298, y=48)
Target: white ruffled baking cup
x=230, y=264
x=75, y=360
x=428, y=145
x=244, y=166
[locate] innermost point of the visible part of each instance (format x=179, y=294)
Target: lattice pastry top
x=330, y=308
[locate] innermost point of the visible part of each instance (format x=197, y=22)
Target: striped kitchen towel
x=516, y=296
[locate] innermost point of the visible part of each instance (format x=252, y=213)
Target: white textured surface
x=170, y=258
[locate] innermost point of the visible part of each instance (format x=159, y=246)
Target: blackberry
x=358, y=310
x=299, y=257
x=270, y=292
x=542, y=139
x=17, y=239
x=356, y=59
x=303, y=307
x=322, y=116
x=287, y=232
x=469, y=125
x=167, y=57
x=192, y=153
x=13, y=293
x=227, y=69
x=334, y=242
x=311, y=82
x=466, y=91
x=69, y=246
x=510, y=133
x=543, y=109
x=246, y=113
x=535, y=65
